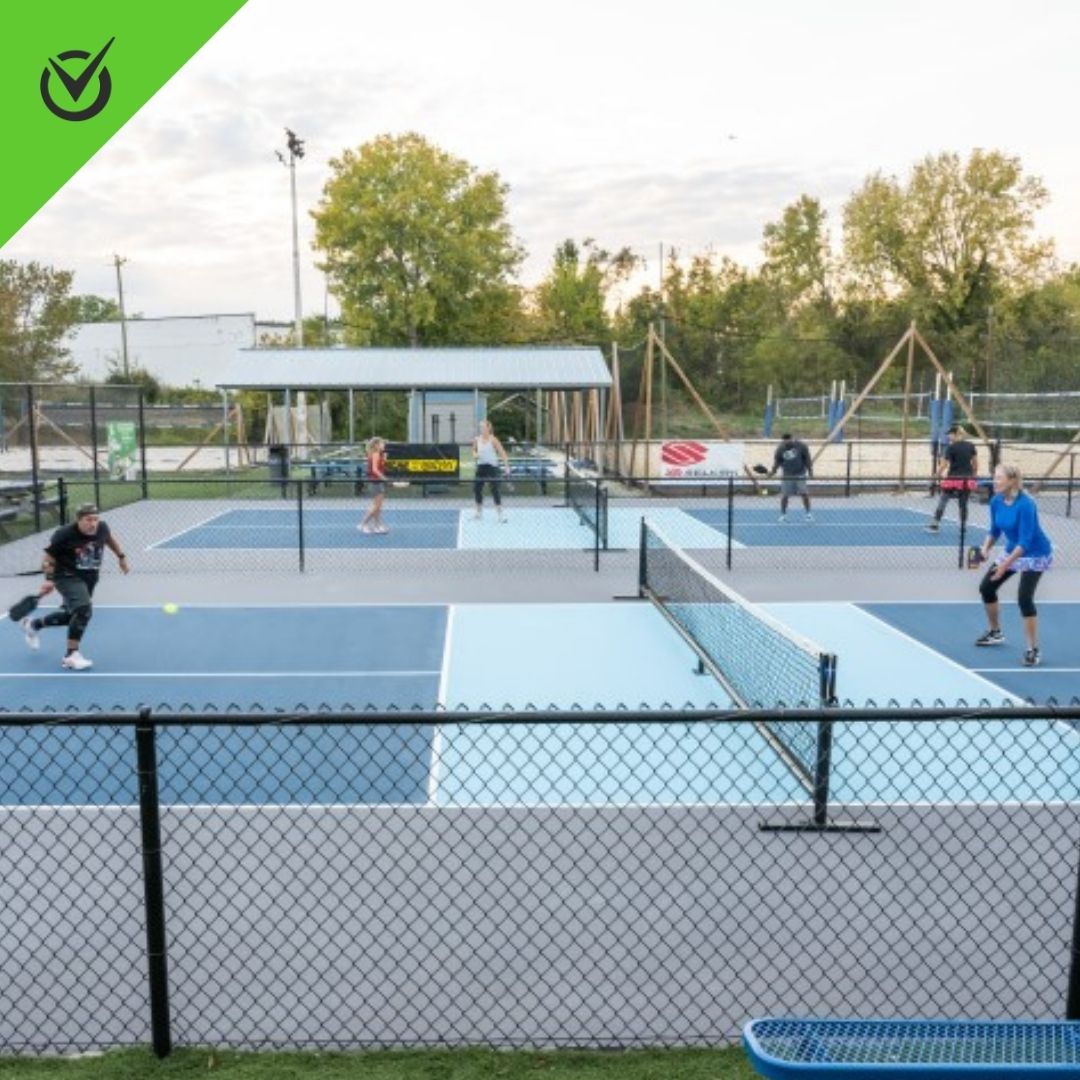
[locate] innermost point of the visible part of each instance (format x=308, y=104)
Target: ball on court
x=170, y=608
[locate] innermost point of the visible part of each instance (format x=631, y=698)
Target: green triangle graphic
x=74, y=73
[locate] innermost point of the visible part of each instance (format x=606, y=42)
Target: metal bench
x=913, y=1049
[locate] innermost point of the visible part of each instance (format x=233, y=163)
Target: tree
x=570, y=303
x=797, y=258
x=952, y=237
x=96, y=309
x=134, y=376
x=417, y=247
x=36, y=311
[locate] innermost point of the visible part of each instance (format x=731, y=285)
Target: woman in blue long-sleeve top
x=1028, y=551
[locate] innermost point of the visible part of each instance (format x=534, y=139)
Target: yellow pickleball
x=170, y=608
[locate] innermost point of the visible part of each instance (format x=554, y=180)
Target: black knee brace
x=80, y=617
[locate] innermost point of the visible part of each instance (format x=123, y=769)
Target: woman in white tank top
x=487, y=450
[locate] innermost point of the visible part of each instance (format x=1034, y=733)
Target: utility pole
x=118, y=262
x=295, y=147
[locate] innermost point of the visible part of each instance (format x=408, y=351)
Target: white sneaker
x=782, y=518
x=809, y=516
x=477, y=515
x=76, y=662
x=363, y=528
x=502, y=519
x=33, y=638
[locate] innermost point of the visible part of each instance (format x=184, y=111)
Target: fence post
x=1072, y=1001
x=847, y=473
x=1068, y=497
x=94, y=446
x=153, y=885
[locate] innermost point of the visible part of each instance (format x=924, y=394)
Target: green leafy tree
x=134, y=376
x=95, y=309
x=36, y=311
x=570, y=303
x=951, y=237
x=951, y=244
x=417, y=247
x=798, y=262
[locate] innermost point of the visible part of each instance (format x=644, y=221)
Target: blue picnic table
x=913, y=1049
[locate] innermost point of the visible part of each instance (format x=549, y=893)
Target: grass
x=458, y=1064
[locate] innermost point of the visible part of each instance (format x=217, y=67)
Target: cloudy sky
x=688, y=123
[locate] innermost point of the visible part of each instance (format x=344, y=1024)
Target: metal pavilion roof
x=542, y=368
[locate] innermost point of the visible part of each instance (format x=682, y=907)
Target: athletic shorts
x=793, y=485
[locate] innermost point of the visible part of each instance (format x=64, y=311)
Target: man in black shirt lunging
x=72, y=562
x=958, y=470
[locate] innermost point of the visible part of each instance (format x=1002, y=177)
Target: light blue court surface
x=511, y=657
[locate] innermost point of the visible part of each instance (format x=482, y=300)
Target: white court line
x=215, y=674
x=309, y=527
x=1024, y=670
x=440, y=700
x=198, y=525
x=242, y=605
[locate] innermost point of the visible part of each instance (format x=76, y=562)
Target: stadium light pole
x=295, y=147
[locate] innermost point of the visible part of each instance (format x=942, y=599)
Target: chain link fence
x=526, y=879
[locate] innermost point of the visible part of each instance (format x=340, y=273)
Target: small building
x=447, y=388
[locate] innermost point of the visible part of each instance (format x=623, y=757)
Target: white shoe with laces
x=33, y=638
x=76, y=662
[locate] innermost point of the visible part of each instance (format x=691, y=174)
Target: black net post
x=35, y=468
x=153, y=884
x=1068, y=496
x=962, y=549
x=643, y=575
x=142, y=445
x=847, y=473
x=730, y=518
x=300, y=521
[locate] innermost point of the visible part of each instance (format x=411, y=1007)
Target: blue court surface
x=559, y=527
x=839, y=527
x=517, y=657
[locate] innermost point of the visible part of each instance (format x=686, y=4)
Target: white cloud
x=610, y=120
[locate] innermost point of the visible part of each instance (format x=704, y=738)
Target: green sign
x=123, y=449
x=74, y=73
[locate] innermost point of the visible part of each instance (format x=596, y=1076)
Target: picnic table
x=20, y=497
x=913, y=1049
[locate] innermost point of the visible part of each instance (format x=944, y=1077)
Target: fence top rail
x=869, y=713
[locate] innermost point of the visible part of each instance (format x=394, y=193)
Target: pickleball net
x=588, y=496
x=763, y=664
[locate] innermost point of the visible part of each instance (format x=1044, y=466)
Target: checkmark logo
x=73, y=81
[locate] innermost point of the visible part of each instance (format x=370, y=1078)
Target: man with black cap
x=72, y=563
x=793, y=459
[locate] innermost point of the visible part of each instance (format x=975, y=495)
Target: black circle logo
x=74, y=84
